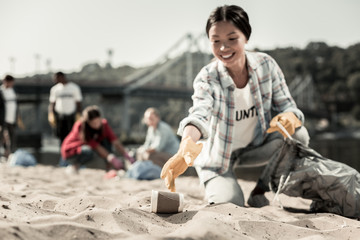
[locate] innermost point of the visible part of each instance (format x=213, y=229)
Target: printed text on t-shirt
x=244, y=114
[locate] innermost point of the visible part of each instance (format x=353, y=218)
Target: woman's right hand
x=178, y=164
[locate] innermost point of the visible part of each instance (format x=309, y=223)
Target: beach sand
x=43, y=202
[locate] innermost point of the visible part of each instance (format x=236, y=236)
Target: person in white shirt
x=65, y=105
x=10, y=104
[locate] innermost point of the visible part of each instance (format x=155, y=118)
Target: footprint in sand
x=49, y=205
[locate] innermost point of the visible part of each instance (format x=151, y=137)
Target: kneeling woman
x=92, y=133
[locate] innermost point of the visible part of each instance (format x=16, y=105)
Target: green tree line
x=335, y=72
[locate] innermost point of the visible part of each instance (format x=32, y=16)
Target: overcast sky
x=63, y=35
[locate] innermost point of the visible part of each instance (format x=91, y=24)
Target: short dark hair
x=59, y=74
x=232, y=13
x=9, y=78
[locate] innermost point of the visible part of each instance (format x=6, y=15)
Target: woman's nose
x=223, y=46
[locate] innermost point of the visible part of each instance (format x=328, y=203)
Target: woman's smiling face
x=228, y=44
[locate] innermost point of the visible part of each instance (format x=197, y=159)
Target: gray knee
x=86, y=155
x=223, y=190
x=228, y=197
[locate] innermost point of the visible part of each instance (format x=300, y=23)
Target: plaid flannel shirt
x=213, y=110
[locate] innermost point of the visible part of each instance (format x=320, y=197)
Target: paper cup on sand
x=166, y=202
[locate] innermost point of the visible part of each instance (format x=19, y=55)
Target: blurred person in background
x=160, y=142
x=2, y=117
x=65, y=105
x=92, y=133
x=11, y=114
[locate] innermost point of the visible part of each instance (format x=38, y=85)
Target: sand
x=43, y=202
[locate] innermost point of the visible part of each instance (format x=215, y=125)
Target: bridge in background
x=143, y=83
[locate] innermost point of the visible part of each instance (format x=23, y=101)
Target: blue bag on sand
x=144, y=170
x=22, y=158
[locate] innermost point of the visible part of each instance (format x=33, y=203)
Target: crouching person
x=92, y=133
x=161, y=142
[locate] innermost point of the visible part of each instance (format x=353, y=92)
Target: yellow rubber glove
x=178, y=163
x=289, y=121
x=20, y=123
x=77, y=116
x=51, y=119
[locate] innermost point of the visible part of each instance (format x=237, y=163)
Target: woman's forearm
x=101, y=151
x=192, y=131
x=119, y=147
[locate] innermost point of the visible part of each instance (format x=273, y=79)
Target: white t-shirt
x=245, y=117
x=10, y=104
x=65, y=97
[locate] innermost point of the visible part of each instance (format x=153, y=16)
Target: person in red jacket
x=92, y=133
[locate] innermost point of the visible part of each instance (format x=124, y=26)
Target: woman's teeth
x=227, y=56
